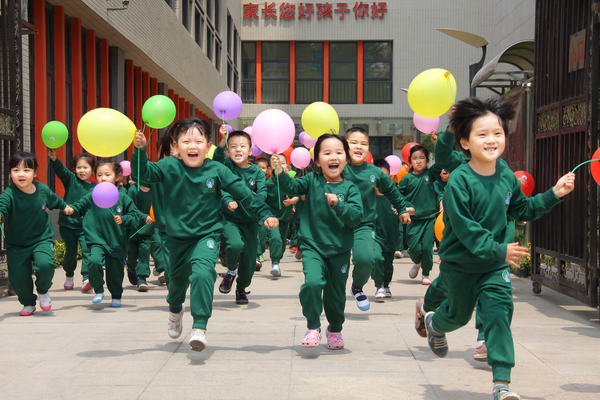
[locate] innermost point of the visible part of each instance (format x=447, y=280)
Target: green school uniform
x=29, y=233
x=278, y=237
x=387, y=235
x=326, y=237
x=141, y=236
x=192, y=199
x=159, y=251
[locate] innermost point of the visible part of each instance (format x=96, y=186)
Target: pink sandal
x=334, y=340
x=312, y=338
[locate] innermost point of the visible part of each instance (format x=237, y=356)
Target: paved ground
x=80, y=350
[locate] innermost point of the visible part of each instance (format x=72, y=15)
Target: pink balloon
x=256, y=151
x=273, y=131
x=126, y=165
x=105, y=195
x=395, y=164
x=248, y=130
x=426, y=125
x=309, y=141
x=300, y=157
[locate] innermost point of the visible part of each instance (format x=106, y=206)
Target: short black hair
x=28, y=159
x=165, y=142
x=414, y=149
x=240, y=133
x=83, y=156
x=326, y=136
x=356, y=129
x=468, y=110
x=183, y=125
x=381, y=163
x=262, y=159
x=116, y=167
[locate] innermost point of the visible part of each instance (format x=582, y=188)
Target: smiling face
x=418, y=161
x=359, y=147
x=106, y=173
x=23, y=176
x=487, y=140
x=239, y=150
x=332, y=159
x=83, y=170
x=192, y=147
x=444, y=175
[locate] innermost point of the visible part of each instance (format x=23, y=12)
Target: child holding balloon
x=192, y=188
x=77, y=182
x=333, y=208
x=107, y=212
x=367, y=177
x=29, y=232
x=474, y=252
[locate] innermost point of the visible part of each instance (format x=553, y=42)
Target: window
x=198, y=26
x=218, y=55
x=378, y=72
x=185, y=13
x=309, y=72
x=209, y=44
x=342, y=72
x=275, y=73
x=232, y=57
x=249, y=72
x=380, y=146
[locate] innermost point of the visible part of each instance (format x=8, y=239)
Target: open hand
x=515, y=252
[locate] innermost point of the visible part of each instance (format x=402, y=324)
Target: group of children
x=346, y=207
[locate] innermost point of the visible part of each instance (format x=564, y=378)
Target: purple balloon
x=229, y=128
x=105, y=195
x=256, y=151
x=273, y=131
x=309, y=141
x=227, y=105
x=301, y=137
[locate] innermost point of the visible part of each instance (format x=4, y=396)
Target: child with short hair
x=192, y=188
x=333, y=207
x=77, y=180
x=29, y=232
x=474, y=252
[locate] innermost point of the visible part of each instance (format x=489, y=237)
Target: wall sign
x=286, y=10
x=577, y=51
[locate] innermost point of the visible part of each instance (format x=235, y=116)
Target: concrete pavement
x=80, y=350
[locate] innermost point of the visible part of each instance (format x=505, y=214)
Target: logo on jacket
x=372, y=178
x=252, y=182
x=43, y=205
x=119, y=209
x=340, y=197
x=426, y=178
x=344, y=268
x=508, y=197
x=210, y=244
x=210, y=183
x=506, y=275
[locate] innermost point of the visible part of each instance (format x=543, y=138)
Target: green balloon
x=55, y=134
x=159, y=111
x=292, y=174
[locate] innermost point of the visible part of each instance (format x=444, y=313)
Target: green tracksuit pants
x=324, y=287
x=20, y=260
x=192, y=263
x=363, y=254
x=160, y=253
x=494, y=291
x=419, y=235
x=384, y=266
x=114, y=272
x=261, y=245
x=241, y=242
x=71, y=237
x=278, y=241
x=138, y=257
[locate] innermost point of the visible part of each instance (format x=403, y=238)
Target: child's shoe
x=155, y=272
x=502, y=392
x=85, y=286
x=241, y=297
x=380, y=294
x=388, y=292
x=132, y=277
x=275, y=271
x=115, y=303
x=161, y=278
x=69, y=284
x=98, y=298
x=425, y=281
x=45, y=302
x=362, y=301
x=334, y=340
x=397, y=254
x=198, y=340
x=176, y=323
x=480, y=351
x=27, y=310
x=437, y=341
x=420, y=319
x=298, y=255
x=312, y=338
x=414, y=271
x=293, y=249
x=142, y=286
x=226, y=283
x=258, y=265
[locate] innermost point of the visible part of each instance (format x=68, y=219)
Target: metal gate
x=11, y=118
x=564, y=242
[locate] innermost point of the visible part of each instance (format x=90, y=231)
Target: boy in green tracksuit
x=192, y=188
x=240, y=232
x=475, y=256
x=367, y=177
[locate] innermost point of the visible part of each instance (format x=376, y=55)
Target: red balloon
x=595, y=166
x=406, y=151
x=288, y=153
x=527, y=183
x=369, y=158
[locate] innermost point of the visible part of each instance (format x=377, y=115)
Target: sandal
x=334, y=340
x=312, y=338
x=420, y=319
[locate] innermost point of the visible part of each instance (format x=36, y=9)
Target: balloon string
x=2, y=232
x=585, y=162
x=137, y=231
x=226, y=141
x=137, y=178
x=48, y=170
x=278, y=191
x=451, y=91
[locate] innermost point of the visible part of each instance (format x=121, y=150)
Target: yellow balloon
x=432, y=92
x=211, y=152
x=105, y=132
x=312, y=153
x=319, y=118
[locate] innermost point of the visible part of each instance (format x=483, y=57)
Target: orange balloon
x=403, y=172
x=152, y=214
x=439, y=226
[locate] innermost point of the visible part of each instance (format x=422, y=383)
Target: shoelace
x=439, y=341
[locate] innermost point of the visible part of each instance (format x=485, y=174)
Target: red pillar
x=60, y=84
x=90, y=38
x=41, y=86
x=104, y=75
x=76, y=81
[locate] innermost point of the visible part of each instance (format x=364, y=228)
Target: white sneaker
x=398, y=254
x=414, y=271
x=275, y=271
x=69, y=284
x=425, y=280
x=380, y=293
x=115, y=303
x=45, y=302
x=98, y=298
x=198, y=340
x=405, y=253
x=388, y=293
x=176, y=323
x=161, y=278
x=27, y=310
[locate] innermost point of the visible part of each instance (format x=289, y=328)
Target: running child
x=263, y=164
x=333, y=208
x=29, y=232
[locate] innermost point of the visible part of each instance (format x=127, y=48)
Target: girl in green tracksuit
x=77, y=182
x=141, y=237
x=28, y=232
x=417, y=187
x=333, y=207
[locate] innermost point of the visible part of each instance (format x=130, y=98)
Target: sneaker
x=388, y=292
x=398, y=254
x=85, y=286
x=334, y=340
x=27, y=310
x=298, y=255
x=45, y=302
x=225, y=286
x=241, y=297
x=115, y=303
x=223, y=259
x=425, y=280
x=155, y=272
x=258, y=265
x=435, y=251
x=261, y=258
x=176, y=323
x=405, y=254
x=198, y=340
x=380, y=294
x=69, y=284
x=275, y=271
x=420, y=318
x=502, y=392
x=437, y=341
x=142, y=286
x=132, y=277
x=312, y=338
x=480, y=351
x=414, y=271
x=161, y=278
x=439, y=260
x=362, y=301
x=293, y=249
x=98, y=298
